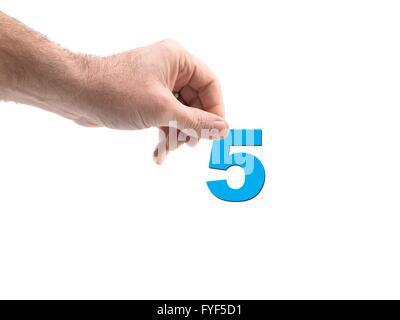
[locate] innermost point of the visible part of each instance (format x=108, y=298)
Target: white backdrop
x=84, y=213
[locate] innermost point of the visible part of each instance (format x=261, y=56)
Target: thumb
x=197, y=122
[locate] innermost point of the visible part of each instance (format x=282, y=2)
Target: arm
x=129, y=90
x=37, y=72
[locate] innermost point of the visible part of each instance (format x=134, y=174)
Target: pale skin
x=142, y=88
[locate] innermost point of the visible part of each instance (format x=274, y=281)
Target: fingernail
x=220, y=130
x=220, y=125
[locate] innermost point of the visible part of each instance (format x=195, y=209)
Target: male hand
x=153, y=87
x=161, y=85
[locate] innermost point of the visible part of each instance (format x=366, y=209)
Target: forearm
x=35, y=71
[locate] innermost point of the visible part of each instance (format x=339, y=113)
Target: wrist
x=86, y=78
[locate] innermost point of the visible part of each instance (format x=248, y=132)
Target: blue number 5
x=221, y=159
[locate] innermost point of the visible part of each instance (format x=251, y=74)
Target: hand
x=161, y=85
x=135, y=90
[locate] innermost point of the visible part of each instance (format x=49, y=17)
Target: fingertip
x=218, y=134
x=158, y=155
x=225, y=132
x=220, y=125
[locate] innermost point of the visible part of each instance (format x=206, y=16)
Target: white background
x=84, y=213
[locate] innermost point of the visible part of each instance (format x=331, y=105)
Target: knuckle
x=202, y=123
x=170, y=43
x=184, y=119
x=199, y=121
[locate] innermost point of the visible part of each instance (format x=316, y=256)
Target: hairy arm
x=38, y=72
x=135, y=89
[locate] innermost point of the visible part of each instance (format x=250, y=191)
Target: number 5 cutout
x=221, y=159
